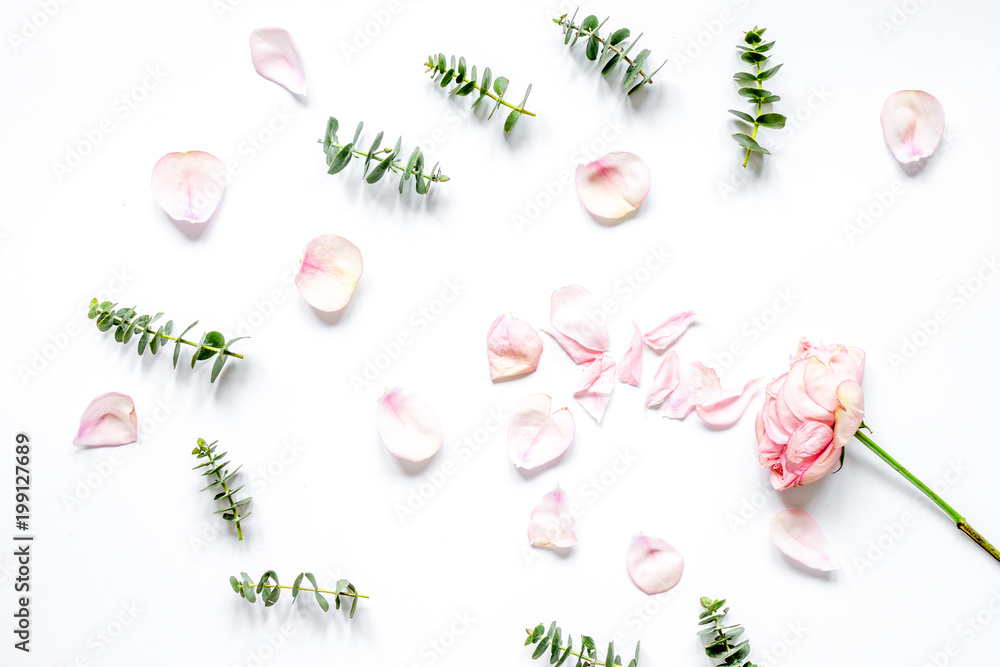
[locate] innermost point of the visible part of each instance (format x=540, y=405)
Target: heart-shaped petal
x=667, y=377
x=534, y=436
x=800, y=537
x=108, y=421
x=630, y=367
x=613, y=186
x=331, y=269
x=189, y=186
x=594, y=389
x=551, y=523
x=576, y=314
x=275, y=58
x=654, y=565
x=912, y=124
x=513, y=348
x=666, y=334
x=407, y=426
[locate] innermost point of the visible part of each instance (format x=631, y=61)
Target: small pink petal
x=551, y=523
x=407, y=426
x=513, y=348
x=614, y=185
x=275, y=58
x=108, y=421
x=576, y=314
x=189, y=186
x=663, y=336
x=654, y=565
x=331, y=269
x=912, y=124
x=630, y=367
x=578, y=353
x=667, y=377
x=800, y=537
x=534, y=436
x=698, y=384
x=725, y=408
x=594, y=389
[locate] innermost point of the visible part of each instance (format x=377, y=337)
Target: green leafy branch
x=339, y=156
x=608, y=52
x=722, y=639
x=268, y=589
x=216, y=467
x=551, y=643
x=465, y=85
x=755, y=53
x=127, y=324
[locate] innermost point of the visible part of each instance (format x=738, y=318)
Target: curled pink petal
x=189, y=186
x=534, y=436
x=630, y=367
x=654, y=565
x=698, y=384
x=594, y=389
x=664, y=335
x=276, y=59
x=108, y=421
x=912, y=123
x=667, y=377
x=725, y=408
x=800, y=537
x=576, y=314
x=578, y=353
x=513, y=348
x=552, y=523
x=614, y=185
x=331, y=269
x=407, y=426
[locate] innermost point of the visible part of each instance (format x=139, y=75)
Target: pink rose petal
x=800, y=537
x=630, y=367
x=667, y=377
x=189, y=186
x=576, y=314
x=275, y=58
x=663, y=336
x=513, y=348
x=331, y=269
x=407, y=426
x=725, y=408
x=654, y=565
x=108, y=421
x=912, y=123
x=551, y=523
x=594, y=389
x=578, y=353
x=534, y=436
x=614, y=185
x=698, y=384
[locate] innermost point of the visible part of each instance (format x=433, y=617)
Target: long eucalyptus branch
x=467, y=81
x=216, y=467
x=551, y=643
x=269, y=590
x=755, y=53
x=721, y=644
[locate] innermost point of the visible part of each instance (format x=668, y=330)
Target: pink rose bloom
x=810, y=413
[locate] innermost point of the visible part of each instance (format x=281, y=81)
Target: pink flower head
x=810, y=413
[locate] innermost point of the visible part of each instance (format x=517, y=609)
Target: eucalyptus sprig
x=215, y=467
x=722, y=638
x=386, y=159
x=127, y=324
x=268, y=589
x=551, y=643
x=755, y=54
x=466, y=81
x=599, y=49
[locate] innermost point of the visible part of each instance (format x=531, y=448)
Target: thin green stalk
x=585, y=660
x=612, y=47
x=760, y=86
x=430, y=65
x=116, y=320
x=395, y=166
x=320, y=590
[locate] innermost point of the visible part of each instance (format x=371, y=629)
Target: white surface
x=331, y=507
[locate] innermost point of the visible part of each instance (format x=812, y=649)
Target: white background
x=127, y=528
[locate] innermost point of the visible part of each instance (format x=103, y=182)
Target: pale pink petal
x=614, y=185
x=108, y=421
x=534, y=436
x=912, y=123
x=275, y=58
x=594, y=389
x=575, y=313
x=331, y=268
x=630, y=367
x=667, y=377
x=578, y=353
x=407, y=426
x=654, y=565
x=552, y=523
x=664, y=335
x=698, y=384
x=725, y=408
x=850, y=412
x=799, y=537
x=513, y=348
x=189, y=186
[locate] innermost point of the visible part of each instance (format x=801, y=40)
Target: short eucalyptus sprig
x=268, y=589
x=610, y=51
x=722, y=638
x=339, y=156
x=466, y=81
x=755, y=53
x=551, y=643
x=215, y=467
x=127, y=324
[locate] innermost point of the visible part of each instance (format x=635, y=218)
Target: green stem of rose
x=938, y=500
